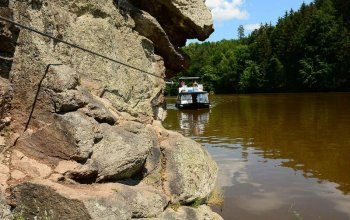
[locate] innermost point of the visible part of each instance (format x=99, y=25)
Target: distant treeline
x=307, y=50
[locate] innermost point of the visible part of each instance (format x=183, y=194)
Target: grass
x=175, y=206
x=196, y=203
x=216, y=198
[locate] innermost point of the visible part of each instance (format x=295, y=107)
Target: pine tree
x=241, y=32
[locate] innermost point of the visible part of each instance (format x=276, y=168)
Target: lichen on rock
x=5, y=213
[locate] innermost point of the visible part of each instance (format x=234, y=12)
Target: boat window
x=187, y=98
x=202, y=98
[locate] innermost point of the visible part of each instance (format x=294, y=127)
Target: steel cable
x=78, y=47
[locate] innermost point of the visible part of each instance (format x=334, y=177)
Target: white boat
x=191, y=96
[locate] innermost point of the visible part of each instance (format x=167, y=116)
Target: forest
x=307, y=50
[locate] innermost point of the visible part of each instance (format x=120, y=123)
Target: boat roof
x=192, y=77
x=193, y=92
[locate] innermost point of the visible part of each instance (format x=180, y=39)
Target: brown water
x=281, y=156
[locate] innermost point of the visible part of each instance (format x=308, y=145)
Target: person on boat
x=182, y=83
x=195, y=86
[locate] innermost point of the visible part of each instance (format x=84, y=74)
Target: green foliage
x=216, y=198
x=316, y=74
x=307, y=50
x=275, y=74
x=252, y=78
x=196, y=203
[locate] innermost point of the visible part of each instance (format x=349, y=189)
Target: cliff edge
x=84, y=140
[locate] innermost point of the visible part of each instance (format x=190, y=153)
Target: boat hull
x=192, y=105
x=192, y=99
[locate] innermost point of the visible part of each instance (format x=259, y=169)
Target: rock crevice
x=8, y=38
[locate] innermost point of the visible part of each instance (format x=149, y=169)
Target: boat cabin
x=191, y=96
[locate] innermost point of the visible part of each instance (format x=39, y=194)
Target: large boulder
x=49, y=200
x=114, y=152
x=121, y=153
x=189, y=171
x=81, y=131
x=186, y=170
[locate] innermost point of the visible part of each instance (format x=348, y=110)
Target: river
x=280, y=156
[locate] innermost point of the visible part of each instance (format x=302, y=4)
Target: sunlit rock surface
x=97, y=122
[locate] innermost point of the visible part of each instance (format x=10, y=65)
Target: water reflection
x=260, y=188
x=283, y=156
x=193, y=121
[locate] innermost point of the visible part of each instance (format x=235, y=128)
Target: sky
x=229, y=14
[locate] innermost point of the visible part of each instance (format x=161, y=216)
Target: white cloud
x=227, y=9
x=251, y=27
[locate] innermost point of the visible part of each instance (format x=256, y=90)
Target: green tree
x=316, y=74
x=240, y=32
x=275, y=74
x=252, y=78
x=308, y=49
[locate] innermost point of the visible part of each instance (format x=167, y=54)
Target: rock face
x=168, y=24
x=97, y=201
x=37, y=201
x=5, y=212
x=8, y=37
x=94, y=147
x=189, y=18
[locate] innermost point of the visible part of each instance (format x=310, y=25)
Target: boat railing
x=185, y=88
